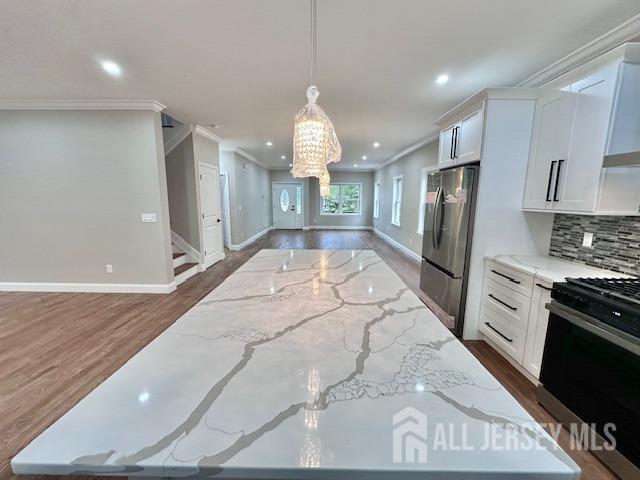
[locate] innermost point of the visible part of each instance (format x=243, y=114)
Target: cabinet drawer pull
x=543, y=287
x=506, y=276
x=495, y=330
x=503, y=303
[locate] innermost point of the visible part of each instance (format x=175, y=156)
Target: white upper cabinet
x=469, y=141
x=461, y=142
x=445, y=156
x=550, y=147
x=569, y=141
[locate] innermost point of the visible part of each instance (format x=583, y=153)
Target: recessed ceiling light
x=355, y=164
x=442, y=79
x=214, y=125
x=364, y=157
x=376, y=144
x=269, y=144
x=112, y=68
x=283, y=157
x=291, y=164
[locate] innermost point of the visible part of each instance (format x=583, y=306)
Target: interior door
x=550, y=147
x=226, y=213
x=211, y=221
x=579, y=178
x=287, y=206
x=470, y=138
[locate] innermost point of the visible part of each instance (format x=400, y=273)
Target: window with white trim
x=396, y=205
x=343, y=199
x=423, y=196
x=376, y=200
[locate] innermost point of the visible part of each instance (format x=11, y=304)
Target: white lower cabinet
x=513, y=314
x=537, y=328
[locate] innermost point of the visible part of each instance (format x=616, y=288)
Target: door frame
x=203, y=265
x=227, y=221
x=273, y=201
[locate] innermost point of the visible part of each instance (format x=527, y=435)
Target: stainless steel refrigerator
x=448, y=228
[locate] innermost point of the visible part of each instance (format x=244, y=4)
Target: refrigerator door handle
x=437, y=219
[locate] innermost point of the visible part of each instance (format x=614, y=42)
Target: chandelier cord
x=314, y=28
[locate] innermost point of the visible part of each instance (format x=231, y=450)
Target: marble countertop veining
x=303, y=364
x=552, y=269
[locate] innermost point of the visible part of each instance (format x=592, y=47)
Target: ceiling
x=244, y=64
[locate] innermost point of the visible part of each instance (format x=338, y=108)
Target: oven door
x=594, y=373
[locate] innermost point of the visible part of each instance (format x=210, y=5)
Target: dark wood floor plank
x=57, y=347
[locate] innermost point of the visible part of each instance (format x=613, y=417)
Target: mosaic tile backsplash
x=616, y=241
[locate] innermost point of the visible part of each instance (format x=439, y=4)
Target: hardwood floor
x=56, y=347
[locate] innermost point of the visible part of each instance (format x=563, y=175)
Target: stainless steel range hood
x=623, y=147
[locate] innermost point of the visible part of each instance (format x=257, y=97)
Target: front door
x=287, y=205
x=211, y=221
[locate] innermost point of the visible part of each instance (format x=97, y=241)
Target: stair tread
x=177, y=255
x=183, y=268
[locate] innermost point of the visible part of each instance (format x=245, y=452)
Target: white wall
x=72, y=187
x=410, y=167
x=249, y=196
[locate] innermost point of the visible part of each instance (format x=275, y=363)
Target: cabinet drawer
x=510, y=278
x=511, y=306
x=509, y=339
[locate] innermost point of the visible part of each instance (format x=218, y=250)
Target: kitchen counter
x=298, y=366
x=552, y=269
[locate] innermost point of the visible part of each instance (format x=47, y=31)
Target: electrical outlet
x=410, y=241
x=109, y=268
x=587, y=240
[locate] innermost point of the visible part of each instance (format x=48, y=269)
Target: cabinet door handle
x=553, y=164
x=555, y=191
x=499, y=333
x=543, y=287
x=453, y=140
x=506, y=276
x=455, y=143
x=503, y=303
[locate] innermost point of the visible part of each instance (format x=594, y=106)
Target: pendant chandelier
x=315, y=143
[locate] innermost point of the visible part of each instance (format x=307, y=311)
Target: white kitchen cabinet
x=579, y=177
x=537, y=328
x=469, y=138
x=550, y=145
x=461, y=139
x=445, y=156
x=569, y=140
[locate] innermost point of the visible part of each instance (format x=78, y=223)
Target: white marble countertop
x=552, y=269
x=298, y=367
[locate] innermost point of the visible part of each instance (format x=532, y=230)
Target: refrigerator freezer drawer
x=446, y=291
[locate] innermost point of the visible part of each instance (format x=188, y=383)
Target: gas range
x=612, y=301
x=590, y=372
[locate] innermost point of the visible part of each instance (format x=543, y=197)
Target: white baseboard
x=397, y=244
x=192, y=253
x=88, y=287
x=337, y=227
x=250, y=240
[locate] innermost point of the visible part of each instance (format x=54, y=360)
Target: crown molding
x=250, y=157
x=433, y=136
x=206, y=133
x=8, y=104
x=604, y=43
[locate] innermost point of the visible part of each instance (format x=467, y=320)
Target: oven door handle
x=595, y=326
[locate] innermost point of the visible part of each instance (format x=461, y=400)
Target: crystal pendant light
x=315, y=143
x=325, y=180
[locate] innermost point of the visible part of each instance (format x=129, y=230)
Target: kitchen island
x=302, y=364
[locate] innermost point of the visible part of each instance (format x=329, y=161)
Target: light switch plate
x=148, y=218
x=587, y=240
